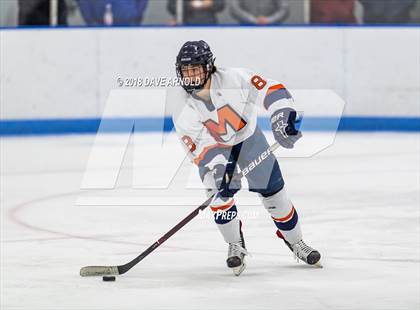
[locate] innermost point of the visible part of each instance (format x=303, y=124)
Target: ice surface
x=358, y=203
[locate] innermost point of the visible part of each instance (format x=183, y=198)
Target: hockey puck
x=108, y=278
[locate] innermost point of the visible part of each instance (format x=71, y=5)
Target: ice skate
x=236, y=256
x=304, y=252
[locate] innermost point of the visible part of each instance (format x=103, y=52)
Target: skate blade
x=238, y=270
x=316, y=265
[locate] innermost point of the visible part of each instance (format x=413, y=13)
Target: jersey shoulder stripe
x=275, y=93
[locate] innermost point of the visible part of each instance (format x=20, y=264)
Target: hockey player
x=217, y=124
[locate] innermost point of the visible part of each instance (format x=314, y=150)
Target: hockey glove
x=283, y=126
x=226, y=182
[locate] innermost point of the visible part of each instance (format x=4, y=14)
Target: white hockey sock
x=284, y=215
x=225, y=216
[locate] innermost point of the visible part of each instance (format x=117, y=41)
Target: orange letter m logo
x=221, y=132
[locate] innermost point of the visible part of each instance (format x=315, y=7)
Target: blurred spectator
x=415, y=13
x=197, y=12
x=259, y=12
x=387, y=11
x=8, y=13
x=113, y=12
x=37, y=12
x=333, y=11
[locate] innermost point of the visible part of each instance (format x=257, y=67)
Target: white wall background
x=69, y=73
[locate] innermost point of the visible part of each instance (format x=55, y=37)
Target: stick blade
x=90, y=271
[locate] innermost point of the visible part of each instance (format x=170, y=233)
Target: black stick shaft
x=124, y=268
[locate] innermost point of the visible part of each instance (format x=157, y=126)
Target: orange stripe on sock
x=286, y=218
x=224, y=207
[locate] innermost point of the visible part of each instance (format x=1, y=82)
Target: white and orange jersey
x=207, y=128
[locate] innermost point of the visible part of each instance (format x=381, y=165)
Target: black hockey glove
x=283, y=126
x=226, y=182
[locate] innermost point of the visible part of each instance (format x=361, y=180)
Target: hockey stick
x=121, y=269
